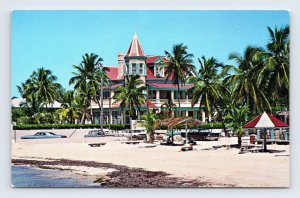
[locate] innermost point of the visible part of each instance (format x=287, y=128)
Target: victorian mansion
x=151, y=69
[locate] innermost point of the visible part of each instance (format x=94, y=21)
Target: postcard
x=155, y=99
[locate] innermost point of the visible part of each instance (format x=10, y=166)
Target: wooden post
x=265, y=140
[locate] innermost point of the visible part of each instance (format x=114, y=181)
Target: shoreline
x=118, y=175
x=216, y=167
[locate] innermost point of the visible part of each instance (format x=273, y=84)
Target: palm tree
x=131, y=95
x=245, y=80
x=44, y=86
x=208, y=87
x=149, y=121
x=87, y=80
x=40, y=89
x=276, y=65
x=70, y=107
x=179, y=67
x=236, y=117
x=169, y=106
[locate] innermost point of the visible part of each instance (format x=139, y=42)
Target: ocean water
x=30, y=177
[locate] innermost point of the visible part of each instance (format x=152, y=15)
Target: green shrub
x=68, y=126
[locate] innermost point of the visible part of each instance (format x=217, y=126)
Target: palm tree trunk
x=98, y=102
x=179, y=112
x=83, y=116
x=221, y=117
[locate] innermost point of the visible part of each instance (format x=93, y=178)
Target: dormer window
x=159, y=71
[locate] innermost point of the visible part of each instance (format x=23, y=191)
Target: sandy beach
x=217, y=168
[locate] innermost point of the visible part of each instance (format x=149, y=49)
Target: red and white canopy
x=265, y=120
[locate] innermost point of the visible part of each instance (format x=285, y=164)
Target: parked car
x=43, y=135
x=137, y=134
x=202, y=134
x=174, y=132
x=95, y=133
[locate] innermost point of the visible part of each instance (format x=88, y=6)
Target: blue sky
x=56, y=40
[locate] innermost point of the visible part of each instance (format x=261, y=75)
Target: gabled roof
x=111, y=72
x=265, y=120
x=153, y=59
x=150, y=74
x=135, y=48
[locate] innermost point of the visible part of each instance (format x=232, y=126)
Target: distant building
x=152, y=71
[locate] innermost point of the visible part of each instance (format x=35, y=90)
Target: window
x=157, y=71
x=115, y=115
x=152, y=94
x=105, y=94
x=141, y=69
x=106, y=117
x=133, y=68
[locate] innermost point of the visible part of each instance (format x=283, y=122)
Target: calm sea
x=29, y=177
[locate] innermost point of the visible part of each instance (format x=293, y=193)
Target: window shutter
x=137, y=69
x=130, y=69
x=145, y=69
x=124, y=70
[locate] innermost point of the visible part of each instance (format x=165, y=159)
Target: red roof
x=265, y=120
x=112, y=87
x=150, y=104
x=111, y=72
x=135, y=48
x=150, y=73
x=152, y=59
x=173, y=86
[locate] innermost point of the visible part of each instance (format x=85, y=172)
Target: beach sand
x=220, y=167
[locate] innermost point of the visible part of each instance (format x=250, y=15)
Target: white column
x=172, y=95
x=157, y=95
x=186, y=113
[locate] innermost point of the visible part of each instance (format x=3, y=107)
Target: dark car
x=43, y=135
x=201, y=134
x=95, y=133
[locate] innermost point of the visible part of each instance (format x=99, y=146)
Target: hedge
x=215, y=125
x=68, y=126
x=112, y=126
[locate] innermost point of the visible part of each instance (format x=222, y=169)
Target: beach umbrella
x=264, y=121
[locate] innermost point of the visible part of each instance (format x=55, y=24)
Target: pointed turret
x=135, y=48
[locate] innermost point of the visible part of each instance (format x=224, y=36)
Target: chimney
x=121, y=62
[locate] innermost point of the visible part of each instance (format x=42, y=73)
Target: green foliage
x=40, y=90
x=17, y=113
x=180, y=66
x=149, y=121
x=235, y=118
x=215, y=125
x=131, y=94
x=86, y=80
x=67, y=126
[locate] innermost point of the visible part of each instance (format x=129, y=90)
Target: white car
x=137, y=134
